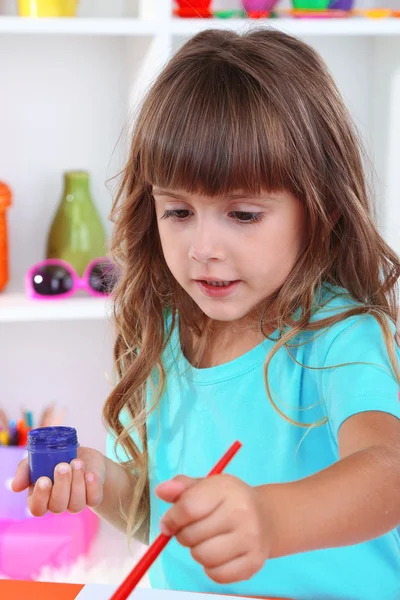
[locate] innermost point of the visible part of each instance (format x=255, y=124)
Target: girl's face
x=229, y=253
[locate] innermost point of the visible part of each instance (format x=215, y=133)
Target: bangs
x=216, y=131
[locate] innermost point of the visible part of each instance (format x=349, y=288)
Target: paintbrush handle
x=144, y=564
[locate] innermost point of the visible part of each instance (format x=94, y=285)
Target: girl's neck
x=226, y=342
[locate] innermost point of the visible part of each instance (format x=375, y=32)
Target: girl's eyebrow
x=172, y=194
x=233, y=196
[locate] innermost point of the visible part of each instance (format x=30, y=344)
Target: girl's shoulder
x=353, y=335
x=357, y=362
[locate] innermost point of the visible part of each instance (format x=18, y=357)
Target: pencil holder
x=12, y=505
x=49, y=446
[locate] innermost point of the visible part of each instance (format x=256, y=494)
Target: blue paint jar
x=49, y=446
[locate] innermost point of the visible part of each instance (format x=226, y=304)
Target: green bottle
x=76, y=234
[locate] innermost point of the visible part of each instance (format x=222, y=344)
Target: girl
x=256, y=302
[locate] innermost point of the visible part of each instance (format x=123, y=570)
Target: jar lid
x=5, y=196
x=52, y=438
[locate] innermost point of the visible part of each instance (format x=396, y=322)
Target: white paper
x=104, y=592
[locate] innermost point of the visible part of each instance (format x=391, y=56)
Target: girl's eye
x=176, y=215
x=242, y=217
x=246, y=217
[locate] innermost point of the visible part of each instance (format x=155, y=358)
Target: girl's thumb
x=171, y=491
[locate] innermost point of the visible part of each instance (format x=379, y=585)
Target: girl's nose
x=206, y=246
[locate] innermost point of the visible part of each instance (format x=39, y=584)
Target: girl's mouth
x=217, y=289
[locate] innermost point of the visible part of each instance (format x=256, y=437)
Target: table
x=33, y=590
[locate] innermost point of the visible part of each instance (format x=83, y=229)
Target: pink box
x=12, y=506
x=27, y=544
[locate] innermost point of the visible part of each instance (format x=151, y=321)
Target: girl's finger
x=61, y=491
x=239, y=569
x=77, y=499
x=171, y=490
x=217, y=551
x=94, y=490
x=195, y=504
x=218, y=523
x=21, y=477
x=39, y=497
x=30, y=490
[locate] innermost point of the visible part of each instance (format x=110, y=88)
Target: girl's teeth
x=218, y=283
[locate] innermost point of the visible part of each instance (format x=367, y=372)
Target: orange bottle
x=5, y=202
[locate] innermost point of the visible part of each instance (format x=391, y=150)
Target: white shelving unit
x=298, y=27
x=126, y=27
x=16, y=308
x=68, y=89
x=79, y=26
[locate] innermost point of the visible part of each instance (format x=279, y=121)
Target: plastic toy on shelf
x=258, y=9
x=345, y=5
x=268, y=9
x=193, y=9
x=376, y=13
x=339, y=9
x=229, y=14
x=47, y=8
x=5, y=203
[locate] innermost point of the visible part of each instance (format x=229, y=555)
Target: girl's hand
x=76, y=485
x=221, y=520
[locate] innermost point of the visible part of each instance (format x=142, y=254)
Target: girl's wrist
x=277, y=505
x=266, y=502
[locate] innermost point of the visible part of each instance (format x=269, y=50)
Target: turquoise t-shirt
x=203, y=411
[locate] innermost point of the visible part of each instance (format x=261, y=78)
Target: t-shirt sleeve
x=354, y=387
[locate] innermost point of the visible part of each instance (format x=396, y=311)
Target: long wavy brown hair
x=253, y=112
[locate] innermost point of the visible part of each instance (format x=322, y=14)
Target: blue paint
x=49, y=446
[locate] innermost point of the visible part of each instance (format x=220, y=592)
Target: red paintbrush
x=122, y=593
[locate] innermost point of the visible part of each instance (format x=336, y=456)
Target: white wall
x=386, y=132
x=62, y=362
x=64, y=103
x=63, y=106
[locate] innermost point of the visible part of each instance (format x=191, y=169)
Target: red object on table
x=19, y=590
x=159, y=544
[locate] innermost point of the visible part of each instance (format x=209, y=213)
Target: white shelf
x=19, y=308
x=80, y=26
x=352, y=26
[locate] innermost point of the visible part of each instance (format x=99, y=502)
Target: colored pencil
x=3, y=419
x=129, y=584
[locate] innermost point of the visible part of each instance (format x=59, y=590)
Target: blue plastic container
x=49, y=446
